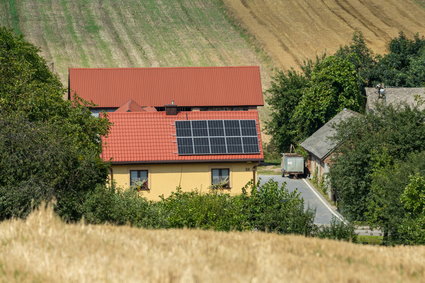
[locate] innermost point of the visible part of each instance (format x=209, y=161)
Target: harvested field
x=130, y=33
x=292, y=31
x=43, y=249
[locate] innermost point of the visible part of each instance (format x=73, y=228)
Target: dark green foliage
x=215, y=210
x=286, y=90
x=110, y=205
x=46, y=142
x=389, y=180
x=337, y=230
x=333, y=86
x=301, y=102
x=379, y=153
x=38, y=162
x=370, y=142
x=268, y=208
x=404, y=65
x=273, y=209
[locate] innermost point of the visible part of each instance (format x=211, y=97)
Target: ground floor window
x=220, y=178
x=139, y=179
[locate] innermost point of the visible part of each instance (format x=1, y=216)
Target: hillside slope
x=43, y=249
x=129, y=33
x=292, y=31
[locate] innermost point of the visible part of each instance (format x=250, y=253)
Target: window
x=220, y=178
x=139, y=179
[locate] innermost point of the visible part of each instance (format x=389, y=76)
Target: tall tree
x=371, y=145
x=333, y=87
x=286, y=91
x=404, y=64
x=31, y=95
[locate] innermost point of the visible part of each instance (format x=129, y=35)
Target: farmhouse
x=194, y=128
x=320, y=146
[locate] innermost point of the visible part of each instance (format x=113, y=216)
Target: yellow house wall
x=164, y=178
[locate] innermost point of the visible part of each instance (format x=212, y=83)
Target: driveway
x=312, y=198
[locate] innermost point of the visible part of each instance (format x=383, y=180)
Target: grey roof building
x=394, y=96
x=320, y=143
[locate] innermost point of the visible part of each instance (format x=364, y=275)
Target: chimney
x=171, y=109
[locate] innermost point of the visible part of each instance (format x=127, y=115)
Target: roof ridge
x=150, y=68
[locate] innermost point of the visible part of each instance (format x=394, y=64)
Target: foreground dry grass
x=45, y=249
x=291, y=31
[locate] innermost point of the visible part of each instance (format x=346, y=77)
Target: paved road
x=312, y=198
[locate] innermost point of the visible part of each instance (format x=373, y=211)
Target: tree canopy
x=49, y=147
x=379, y=153
x=302, y=101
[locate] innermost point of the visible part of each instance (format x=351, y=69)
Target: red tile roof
x=150, y=137
x=186, y=86
x=130, y=106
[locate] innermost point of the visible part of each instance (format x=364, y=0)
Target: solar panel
x=185, y=145
x=202, y=137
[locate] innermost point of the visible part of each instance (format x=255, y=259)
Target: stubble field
x=43, y=249
x=292, y=31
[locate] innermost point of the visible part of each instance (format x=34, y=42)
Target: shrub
x=274, y=209
x=337, y=230
x=215, y=210
x=111, y=205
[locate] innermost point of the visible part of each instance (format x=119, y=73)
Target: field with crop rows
x=292, y=31
x=129, y=33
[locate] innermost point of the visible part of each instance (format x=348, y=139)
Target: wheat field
x=292, y=31
x=44, y=249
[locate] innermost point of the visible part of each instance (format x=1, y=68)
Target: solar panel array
x=201, y=137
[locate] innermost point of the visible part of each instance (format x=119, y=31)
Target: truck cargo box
x=292, y=164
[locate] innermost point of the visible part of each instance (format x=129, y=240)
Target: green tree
x=333, y=87
x=403, y=65
x=361, y=57
x=33, y=96
x=363, y=169
x=412, y=229
x=389, y=180
x=286, y=91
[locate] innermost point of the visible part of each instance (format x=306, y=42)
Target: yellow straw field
x=292, y=31
x=43, y=249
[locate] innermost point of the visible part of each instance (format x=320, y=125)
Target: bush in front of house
x=214, y=210
x=118, y=207
x=272, y=208
x=269, y=208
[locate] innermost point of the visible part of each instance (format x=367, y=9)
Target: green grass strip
x=15, y=16
x=71, y=30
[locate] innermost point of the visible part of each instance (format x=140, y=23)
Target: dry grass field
x=130, y=33
x=43, y=249
x=291, y=31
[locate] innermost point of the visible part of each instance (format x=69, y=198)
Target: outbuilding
x=320, y=146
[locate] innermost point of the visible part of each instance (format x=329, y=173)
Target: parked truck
x=292, y=165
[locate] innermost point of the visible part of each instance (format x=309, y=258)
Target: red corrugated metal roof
x=186, y=86
x=150, y=137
